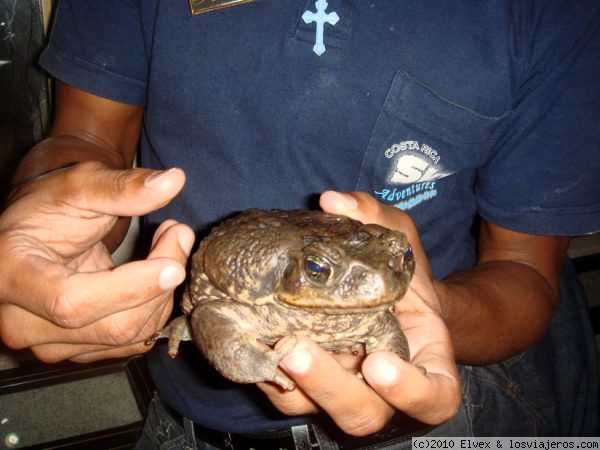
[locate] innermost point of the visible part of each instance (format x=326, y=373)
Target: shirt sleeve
x=99, y=46
x=544, y=175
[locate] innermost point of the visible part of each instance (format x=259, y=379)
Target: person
x=470, y=126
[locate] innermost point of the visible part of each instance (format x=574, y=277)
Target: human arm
x=504, y=304
x=432, y=328
x=60, y=293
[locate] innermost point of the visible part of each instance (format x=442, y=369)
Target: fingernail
x=170, y=277
x=383, y=372
x=297, y=362
x=186, y=241
x=286, y=344
x=157, y=178
x=347, y=200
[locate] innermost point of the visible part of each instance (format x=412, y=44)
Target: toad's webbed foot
x=176, y=331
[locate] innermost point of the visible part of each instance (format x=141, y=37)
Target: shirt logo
x=411, y=180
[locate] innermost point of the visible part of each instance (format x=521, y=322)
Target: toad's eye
x=318, y=269
x=409, y=254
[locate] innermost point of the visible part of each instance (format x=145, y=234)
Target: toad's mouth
x=329, y=308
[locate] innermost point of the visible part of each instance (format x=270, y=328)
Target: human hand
x=427, y=388
x=60, y=292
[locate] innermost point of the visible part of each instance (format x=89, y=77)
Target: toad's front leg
x=218, y=330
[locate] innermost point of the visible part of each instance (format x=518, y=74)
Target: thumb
x=363, y=207
x=133, y=192
x=366, y=209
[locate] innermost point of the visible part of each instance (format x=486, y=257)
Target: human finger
x=296, y=402
x=66, y=213
x=366, y=209
x=95, y=188
x=172, y=240
x=20, y=328
x=424, y=394
x=71, y=299
x=428, y=388
x=80, y=352
x=327, y=385
x=132, y=192
x=89, y=353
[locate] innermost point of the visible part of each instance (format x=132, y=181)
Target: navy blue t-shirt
x=445, y=110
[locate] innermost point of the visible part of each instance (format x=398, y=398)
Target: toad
x=264, y=275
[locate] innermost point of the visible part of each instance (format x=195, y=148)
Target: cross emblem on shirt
x=320, y=18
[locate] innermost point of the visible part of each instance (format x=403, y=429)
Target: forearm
x=85, y=128
x=495, y=310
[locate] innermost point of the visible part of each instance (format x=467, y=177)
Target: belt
x=301, y=437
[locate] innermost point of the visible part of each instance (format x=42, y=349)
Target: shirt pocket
x=422, y=141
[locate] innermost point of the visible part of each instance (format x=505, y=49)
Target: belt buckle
x=228, y=442
x=301, y=437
